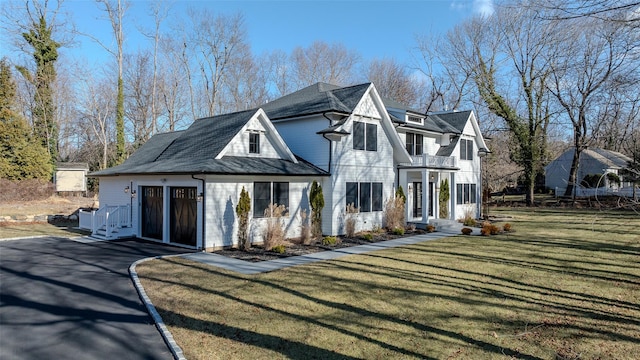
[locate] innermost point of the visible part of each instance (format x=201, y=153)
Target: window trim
x=466, y=193
x=372, y=203
x=272, y=196
x=466, y=149
x=361, y=135
x=254, y=143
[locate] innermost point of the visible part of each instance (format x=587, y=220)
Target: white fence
x=107, y=218
x=626, y=192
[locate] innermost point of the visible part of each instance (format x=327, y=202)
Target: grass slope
x=564, y=285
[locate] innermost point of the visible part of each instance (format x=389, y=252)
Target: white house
x=593, y=162
x=183, y=187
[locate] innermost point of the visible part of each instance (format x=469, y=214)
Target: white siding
x=239, y=145
x=302, y=138
x=112, y=193
x=351, y=165
x=222, y=196
x=367, y=108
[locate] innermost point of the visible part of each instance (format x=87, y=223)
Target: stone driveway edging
x=151, y=309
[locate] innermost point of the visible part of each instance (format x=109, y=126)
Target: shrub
x=273, y=233
x=398, y=231
x=316, y=201
x=305, y=228
x=350, y=220
x=280, y=249
x=486, y=229
x=242, y=210
x=506, y=227
x=329, y=240
x=494, y=229
x=431, y=228
x=468, y=219
x=411, y=227
x=444, y=199
x=467, y=231
x=394, y=210
x=368, y=237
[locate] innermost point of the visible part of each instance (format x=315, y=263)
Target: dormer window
x=415, y=119
x=254, y=143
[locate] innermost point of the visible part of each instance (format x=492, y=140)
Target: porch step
x=446, y=225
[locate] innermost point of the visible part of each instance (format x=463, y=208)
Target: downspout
x=324, y=114
x=204, y=190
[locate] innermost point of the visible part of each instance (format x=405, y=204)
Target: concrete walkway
x=250, y=268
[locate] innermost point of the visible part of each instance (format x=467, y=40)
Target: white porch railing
x=108, y=218
x=433, y=161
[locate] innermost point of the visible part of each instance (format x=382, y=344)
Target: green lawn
x=564, y=285
x=17, y=230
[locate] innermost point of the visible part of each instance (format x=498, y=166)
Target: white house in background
x=593, y=161
x=183, y=187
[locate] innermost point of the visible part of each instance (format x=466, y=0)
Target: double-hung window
x=365, y=136
x=366, y=196
x=466, y=149
x=254, y=143
x=414, y=144
x=466, y=194
x=267, y=193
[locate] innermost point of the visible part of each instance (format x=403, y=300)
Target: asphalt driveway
x=62, y=299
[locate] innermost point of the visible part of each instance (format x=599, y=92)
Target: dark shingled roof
x=194, y=151
x=457, y=119
x=316, y=99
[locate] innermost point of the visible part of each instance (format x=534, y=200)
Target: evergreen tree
x=20, y=156
x=316, y=200
x=45, y=54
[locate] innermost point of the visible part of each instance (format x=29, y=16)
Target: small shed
x=71, y=177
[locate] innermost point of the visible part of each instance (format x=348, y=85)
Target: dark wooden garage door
x=184, y=214
x=152, y=200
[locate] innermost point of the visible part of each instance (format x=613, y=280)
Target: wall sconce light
x=126, y=189
x=200, y=197
x=163, y=180
x=133, y=193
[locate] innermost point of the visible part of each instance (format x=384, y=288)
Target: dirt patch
x=292, y=248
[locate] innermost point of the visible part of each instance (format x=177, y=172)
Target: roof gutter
x=324, y=115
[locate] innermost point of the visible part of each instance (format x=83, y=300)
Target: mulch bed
x=257, y=253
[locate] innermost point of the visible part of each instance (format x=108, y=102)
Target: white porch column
x=402, y=181
x=425, y=196
x=453, y=188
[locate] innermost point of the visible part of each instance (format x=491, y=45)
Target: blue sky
x=375, y=29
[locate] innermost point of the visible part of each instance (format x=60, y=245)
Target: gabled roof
x=194, y=151
x=610, y=158
x=316, y=99
x=456, y=119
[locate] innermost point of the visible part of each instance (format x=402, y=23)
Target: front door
x=152, y=200
x=417, y=199
x=184, y=214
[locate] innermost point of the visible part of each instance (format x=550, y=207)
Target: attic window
x=365, y=136
x=414, y=119
x=466, y=149
x=254, y=143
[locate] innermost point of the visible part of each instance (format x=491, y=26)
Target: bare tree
x=216, y=43
x=322, y=62
x=247, y=84
x=115, y=11
x=39, y=28
x=175, y=88
x=96, y=114
x=447, y=76
x=279, y=71
x=505, y=55
x=592, y=52
x=393, y=80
